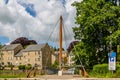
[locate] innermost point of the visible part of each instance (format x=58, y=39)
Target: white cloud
x=16, y=22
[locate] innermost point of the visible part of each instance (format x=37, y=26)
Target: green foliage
x=0, y=45
x=28, y=66
x=25, y=67
x=94, y=24
x=101, y=70
x=118, y=73
x=12, y=74
x=11, y=66
x=55, y=65
x=21, y=67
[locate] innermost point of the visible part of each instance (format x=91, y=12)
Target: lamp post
x=110, y=41
x=110, y=52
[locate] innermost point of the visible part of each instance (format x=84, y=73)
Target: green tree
x=55, y=65
x=0, y=45
x=98, y=24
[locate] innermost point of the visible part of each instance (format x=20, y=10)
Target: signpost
x=112, y=60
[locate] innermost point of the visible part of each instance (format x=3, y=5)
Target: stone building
x=8, y=53
x=40, y=54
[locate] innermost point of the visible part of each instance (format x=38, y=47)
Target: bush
x=11, y=66
x=55, y=65
x=28, y=66
x=25, y=67
x=77, y=70
x=21, y=67
x=101, y=70
x=118, y=71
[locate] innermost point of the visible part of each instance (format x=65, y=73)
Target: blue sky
x=34, y=19
x=3, y=40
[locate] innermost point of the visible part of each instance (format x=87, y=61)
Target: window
x=28, y=60
x=38, y=52
x=8, y=63
x=2, y=63
x=20, y=58
x=38, y=59
x=35, y=53
x=20, y=63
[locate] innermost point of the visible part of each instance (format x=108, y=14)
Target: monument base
x=60, y=73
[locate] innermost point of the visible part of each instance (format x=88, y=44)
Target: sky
x=36, y=20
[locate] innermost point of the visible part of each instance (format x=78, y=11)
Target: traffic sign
x=112, y=60
x=112, y=54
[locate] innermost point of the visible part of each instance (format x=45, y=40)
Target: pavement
x=59, y=77
x=71, y=77
x=56, y=77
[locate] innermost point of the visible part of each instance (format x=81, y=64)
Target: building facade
x=8, y=52
x=40, y=54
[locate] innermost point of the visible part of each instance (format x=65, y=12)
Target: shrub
x=21, y=67
x=101, y=70
x=25, y=67
x=118, y=71
x=55, y=65
x=28, y=66
x=11, y=66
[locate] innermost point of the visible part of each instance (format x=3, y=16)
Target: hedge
x=21, y=67
x=25, y=67
x=102, y=70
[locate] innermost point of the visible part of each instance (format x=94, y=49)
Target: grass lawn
x=12, y=74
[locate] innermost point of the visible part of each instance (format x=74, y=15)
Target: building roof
x=10, y=47
x=35, y=47
x=19, y=53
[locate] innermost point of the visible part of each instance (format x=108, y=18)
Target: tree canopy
x=23, y=41
x=71, y=45
x=98, y=28
x=0, y=45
